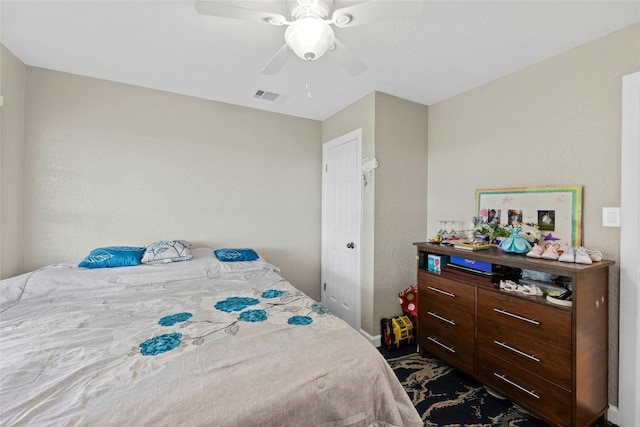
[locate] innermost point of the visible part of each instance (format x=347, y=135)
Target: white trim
x=375, y=341
x=612, y=415
x=629, y=351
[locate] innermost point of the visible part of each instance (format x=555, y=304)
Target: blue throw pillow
x=113, y=256
x=231, y=255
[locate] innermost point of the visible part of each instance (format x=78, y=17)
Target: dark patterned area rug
x=446, y=397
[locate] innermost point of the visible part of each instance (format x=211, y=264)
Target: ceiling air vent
x=267, y=96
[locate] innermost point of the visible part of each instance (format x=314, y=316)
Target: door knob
x=350, y=245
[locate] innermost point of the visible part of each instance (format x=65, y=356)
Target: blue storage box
x=435, y=262
x=471, y=263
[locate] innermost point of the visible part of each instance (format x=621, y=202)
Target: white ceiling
x=451, y=47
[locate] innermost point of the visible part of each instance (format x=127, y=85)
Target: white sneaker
x=567, y=256
x=582, y=257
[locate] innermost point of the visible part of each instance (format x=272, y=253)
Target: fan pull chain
x=309, y=80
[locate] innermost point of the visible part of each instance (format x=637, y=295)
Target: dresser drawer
x=462, y=318
x=452, y=344
x=537, y=321
x=457, y=335
x=547, y=361
x=530, y=391
x=439, y=290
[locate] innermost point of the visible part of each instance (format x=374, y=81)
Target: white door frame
x=629, y=354
x=357, y=135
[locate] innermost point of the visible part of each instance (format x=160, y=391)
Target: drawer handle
x=518, y=386
x=506, y=313
x=449, y=294
x=444, y=319
x=441, y=345
x=515, y=350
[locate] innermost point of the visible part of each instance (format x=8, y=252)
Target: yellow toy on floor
x=397, y=332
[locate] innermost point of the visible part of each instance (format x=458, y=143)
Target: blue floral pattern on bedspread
x=272, y=293
x=160, y=344
x=253, y=316
x=174, y=318
x=320, y=309
x=299, y=320
x=236, y=304
x=279, y=302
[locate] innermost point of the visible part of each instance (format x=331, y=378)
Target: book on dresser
x=548, y=358
x=471, y=246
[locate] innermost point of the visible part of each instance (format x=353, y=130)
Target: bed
x=195, y=342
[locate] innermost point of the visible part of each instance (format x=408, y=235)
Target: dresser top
x=494, y=255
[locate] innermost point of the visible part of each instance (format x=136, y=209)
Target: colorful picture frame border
x=565, y=200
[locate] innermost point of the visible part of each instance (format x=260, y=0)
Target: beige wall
x=401, y=199
x=111, y=164
x=12, y=88
x=554, y=123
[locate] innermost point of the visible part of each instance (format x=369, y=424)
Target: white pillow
x=164, y=251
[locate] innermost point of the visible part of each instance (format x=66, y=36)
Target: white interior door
x=341, y=226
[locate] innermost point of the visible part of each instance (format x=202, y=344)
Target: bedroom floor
x=451, y=397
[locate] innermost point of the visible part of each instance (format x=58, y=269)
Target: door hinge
x=325, y=287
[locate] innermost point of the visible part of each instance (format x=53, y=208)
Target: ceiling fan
x=309, y=33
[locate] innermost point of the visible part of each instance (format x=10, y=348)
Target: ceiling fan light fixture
x=309, y=38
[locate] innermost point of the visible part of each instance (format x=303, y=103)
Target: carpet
x=446, y=397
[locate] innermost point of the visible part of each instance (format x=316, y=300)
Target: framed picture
x=547, y=220
x=557, y=211
x=493, y=215
x=515, y=215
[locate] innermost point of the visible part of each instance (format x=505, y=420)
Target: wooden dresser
x=551, y=360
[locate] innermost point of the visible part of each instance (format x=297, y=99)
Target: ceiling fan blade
x=346, y=58
x=278, y=60
x=375, y=10
x=235, y=12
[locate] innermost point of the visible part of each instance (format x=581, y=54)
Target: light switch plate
x=611, y=217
